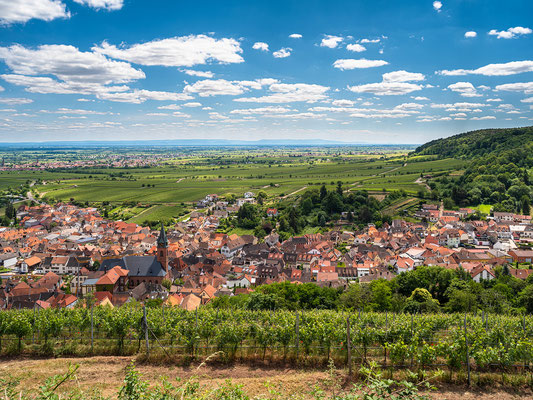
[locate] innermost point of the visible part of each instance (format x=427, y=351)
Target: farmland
x=174, y=182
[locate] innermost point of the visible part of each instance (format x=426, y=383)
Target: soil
x=107, y=373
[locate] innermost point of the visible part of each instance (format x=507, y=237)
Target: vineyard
x=424, y=341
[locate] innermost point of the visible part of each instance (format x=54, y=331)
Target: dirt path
x=293, y=193
x=422, y=182
x=107, y=374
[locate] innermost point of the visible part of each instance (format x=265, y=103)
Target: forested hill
x=479, y=143
x=499, y=171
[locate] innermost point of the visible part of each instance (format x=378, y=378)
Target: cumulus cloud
x=262, y=110
x=525, y=87
x=370, y=40
x=510, y=68
x=68, y=64
x=356, y=47
x=295, y=36
x=528, y=100
x=393, y=83
x=331, y=41
x=109, y=5
x=184, y=51
x=510, y=33
x=170, y=107
x=402, y=76
x=483, y=118
x=343, y=103
x=470, y=34
x=260, y=46
x=466, y=89
x=283, y=52
x=288, y=93
x=18, y=11
x=386, y=88
x=140, y=96
x=201, y=74
x=348, y=64
x=192, y=104
x=216, y=87
x=15, y=100
x=437, y=5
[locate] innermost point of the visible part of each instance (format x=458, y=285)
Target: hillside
x=479, y=143
x=498, y=172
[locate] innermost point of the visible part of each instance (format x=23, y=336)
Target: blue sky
x=355, y=71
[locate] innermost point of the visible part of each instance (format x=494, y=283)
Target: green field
x=171, y=188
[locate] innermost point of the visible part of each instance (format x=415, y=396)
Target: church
x=147, y=269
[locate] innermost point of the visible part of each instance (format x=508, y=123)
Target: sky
x=355, y=71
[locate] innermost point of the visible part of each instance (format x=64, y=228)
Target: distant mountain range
x=192, y=142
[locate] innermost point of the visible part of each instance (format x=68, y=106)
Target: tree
x=323, y=192
x=355, y=297
x=381, y=295
x=526, y=298
x=525, y=204
x=421, y=301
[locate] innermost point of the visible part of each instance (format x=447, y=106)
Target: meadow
x=178, y=181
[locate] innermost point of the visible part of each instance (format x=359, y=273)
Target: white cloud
x=528, y=100
x=75, y=111
x=260, y=46
x=437, y=5
x=402, y=76
x=393, y=83
x=420, y=98
x=295, y=36
x=109, y=5
x=262, y=110
x=1, y=89
x=15, y=11
x=386, y=88
x=68, y=64
x=201, y=74
x=483, y=118
x=343, y=103
x=283, y=52
x=470, y=34
x=15, y=100
x=347, y=64
x=217, y=87
x=526, y=87
x=331, y=41
x=466, y=89
x=370, y=40
x=510, y=33
x=140, y=96
x=288, y=93
x=192, y=104
x=460, y=107
x=170, y=107
x=184, y=51
x=510, y=68
x=356, y=47
x=493, y=100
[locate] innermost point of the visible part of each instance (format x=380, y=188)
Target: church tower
x=162, y=248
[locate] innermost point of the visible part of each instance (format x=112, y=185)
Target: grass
x=484, y=208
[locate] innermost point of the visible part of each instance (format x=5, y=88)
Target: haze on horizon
x=350, y=71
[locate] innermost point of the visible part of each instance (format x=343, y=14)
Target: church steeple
x=162, y=239
x=162, y=248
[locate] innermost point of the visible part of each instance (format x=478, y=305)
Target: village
x=62, y=254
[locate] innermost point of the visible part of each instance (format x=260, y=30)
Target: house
x=482, y=272
x=522, y=256
x=114, y=280
x=232, y=247
x=272, y=212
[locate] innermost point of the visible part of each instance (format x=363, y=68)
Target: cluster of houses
x=61, y=255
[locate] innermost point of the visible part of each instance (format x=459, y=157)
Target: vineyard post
x=145, y=322
x=297, y=328
x=525, y=337
x=412, y=355
x=33, y=331
x=92, y=330
x=467, y=354
x=349, y=345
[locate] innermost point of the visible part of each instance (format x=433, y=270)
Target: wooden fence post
x=33, y=330
x=145, y=320
x=349, y=345
x=297, y=328
x=92, y=330
x=467, y=354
